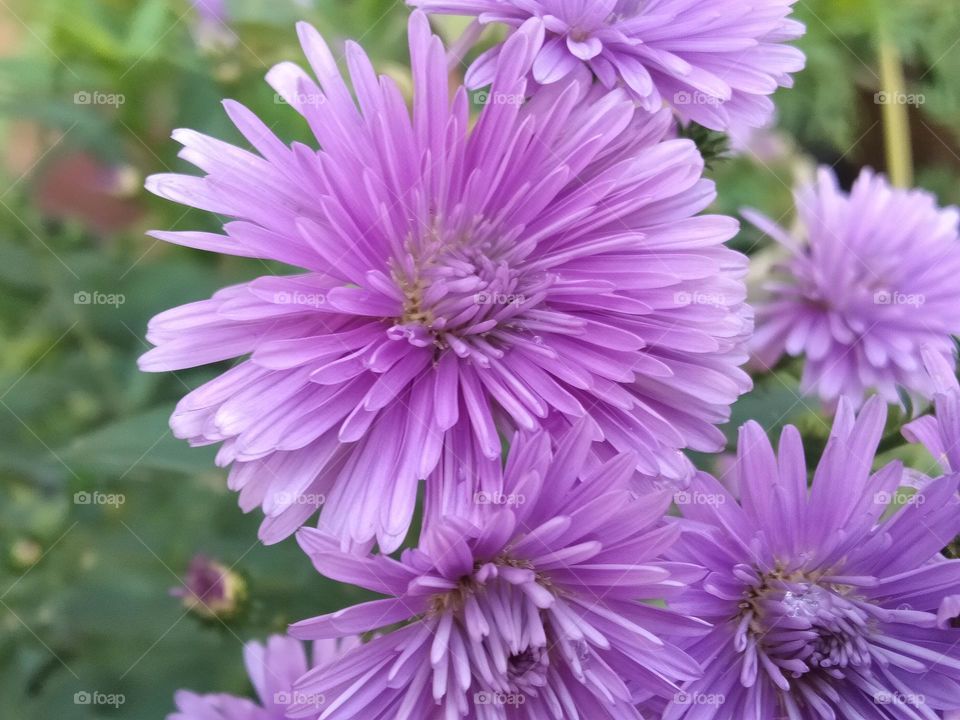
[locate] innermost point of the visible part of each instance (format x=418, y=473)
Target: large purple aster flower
x=715, y=61
x=525, y=603
x=825, y=600
x=873, y=284
x=543, y=266
x=273, y=668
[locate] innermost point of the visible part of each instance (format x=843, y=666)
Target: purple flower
x=715, y=61
x=543, y=266
x=940, y=433
x=526, y=602
x=874, y=282
x=273, y=668
x=212, y=10
x=825, y=600
x=211, y=589
x=211, y=28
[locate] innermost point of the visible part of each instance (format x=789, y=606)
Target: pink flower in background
x=871, y=282
x=211, y=29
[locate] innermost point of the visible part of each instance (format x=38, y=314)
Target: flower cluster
x=524, y=319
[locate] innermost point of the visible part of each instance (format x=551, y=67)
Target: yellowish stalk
x=896, y=120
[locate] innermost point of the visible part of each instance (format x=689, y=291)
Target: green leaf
x=147, y=29
x=140, y=442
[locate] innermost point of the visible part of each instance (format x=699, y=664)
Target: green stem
x=896, y=120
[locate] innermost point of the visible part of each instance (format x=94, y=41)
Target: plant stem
x=896, y=120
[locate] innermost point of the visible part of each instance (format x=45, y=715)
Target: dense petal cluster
x=874, y=282
x=544, y=265
x=715, y=61
x=273, y=668
x=825, y=600
x=542, y=273
x=523, y=603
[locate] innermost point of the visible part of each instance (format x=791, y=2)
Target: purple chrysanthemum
x=524, y=603
x=543, y=266
x=874, y=282
x=825, y=600
x=273, y=668
x=715, y=61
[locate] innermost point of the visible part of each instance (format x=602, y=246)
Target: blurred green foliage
x=84, y=602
